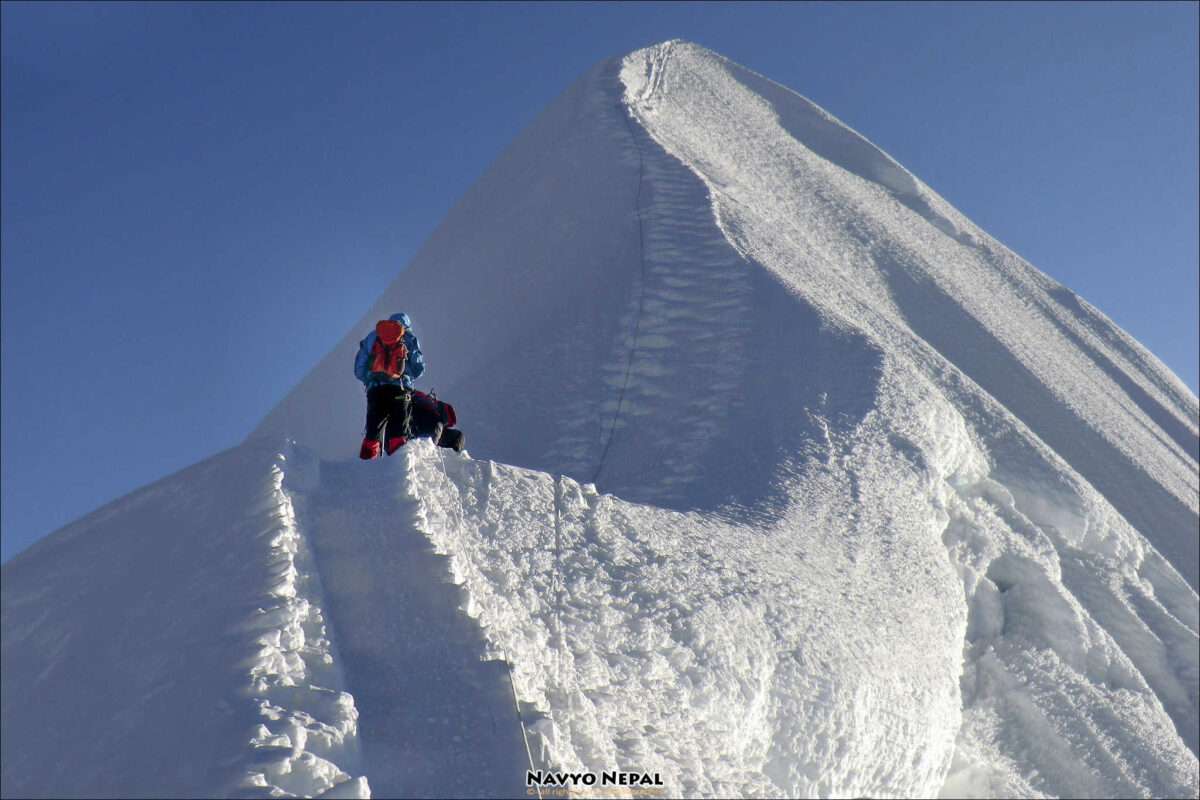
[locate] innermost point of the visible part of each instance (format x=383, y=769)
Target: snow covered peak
x=722, y=300
x=614, y=287
x=719, y=299
x=815, y=488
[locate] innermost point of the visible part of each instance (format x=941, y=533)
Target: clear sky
x=199, y=200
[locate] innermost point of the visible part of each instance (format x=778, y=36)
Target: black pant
x=391, y=407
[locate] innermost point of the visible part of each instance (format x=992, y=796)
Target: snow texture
x=175, y=644
x=788, y=481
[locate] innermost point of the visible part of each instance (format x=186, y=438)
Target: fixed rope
x=558, y=581
x=626, y=113
x=512, y=684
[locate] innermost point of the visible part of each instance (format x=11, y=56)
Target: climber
x=389, y=360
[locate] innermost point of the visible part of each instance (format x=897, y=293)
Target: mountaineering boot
x=393, y=444
x=369, y=450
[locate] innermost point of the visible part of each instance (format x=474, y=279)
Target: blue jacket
x=413, y=366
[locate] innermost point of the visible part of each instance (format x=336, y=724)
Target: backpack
x=429, y=410
x=388, y=353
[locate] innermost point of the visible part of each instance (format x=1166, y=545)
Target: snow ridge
x=435, y=709
x=1068, y=648
x=690, y=326
x=176, y=644
x=650, y=639
x=655, y=640
x=810, y=200
x=882, y=510
x=307, y=744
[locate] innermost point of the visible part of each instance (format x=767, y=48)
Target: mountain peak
x=836, y=493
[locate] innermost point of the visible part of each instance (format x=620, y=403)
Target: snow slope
x=257, y=625
x=175, y=644
x=820, y=491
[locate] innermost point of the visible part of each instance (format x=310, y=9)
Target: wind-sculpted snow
x=173, y=644
x=842, y=234
x=1086, y=436
x=437, y=717
x=815, y=490
x=734, y=659
x=307, y=727
x=816, y=655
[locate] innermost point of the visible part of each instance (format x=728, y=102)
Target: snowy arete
x=787, y=480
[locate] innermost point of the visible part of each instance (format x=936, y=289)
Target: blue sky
x=199, y=200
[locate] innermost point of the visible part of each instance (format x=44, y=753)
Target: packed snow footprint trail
x=709, y=336
x=435, y=719
x=308, y=731
x=925, y=456
x=689, y=322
